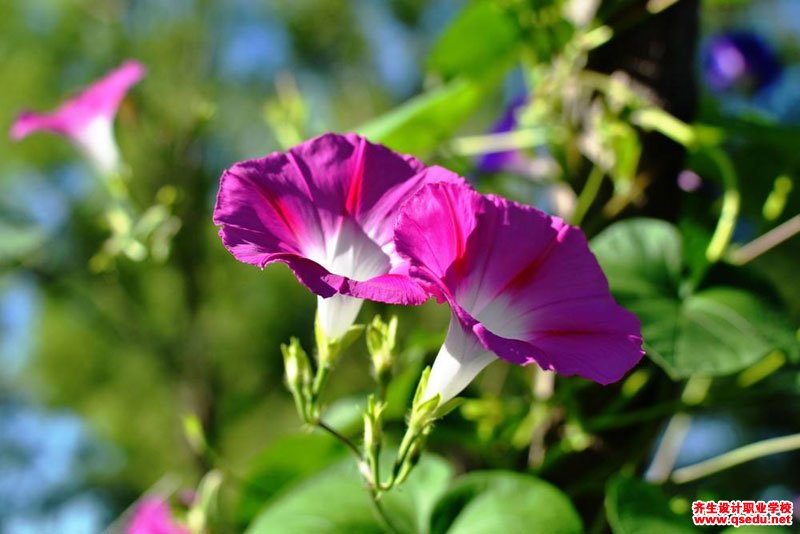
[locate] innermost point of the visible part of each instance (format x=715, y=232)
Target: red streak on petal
x=283, y=213
x=525, y=275
x=457, y=230
x=356, y=182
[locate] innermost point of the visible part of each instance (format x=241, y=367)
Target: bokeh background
x=98, y=369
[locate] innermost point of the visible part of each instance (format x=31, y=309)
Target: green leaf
x=641, y=257
x=336, y=501
x=480, y=36
x=333, y=502
x=636, y=507
x=723, y=330
x=423, y=122
x=286, y=461
x=501, y=501
x=412, y=504
x=713, y=332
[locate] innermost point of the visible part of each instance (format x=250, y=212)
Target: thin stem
x=335, y=433
x=543, y=388
x=694, y=393
x=731, y=201
x=588, y=194
x=320, y=378
x=402, y=454
x=668, y=448
x=766, y=242
x=499, y=142
x=736, y=457
x=381, y=514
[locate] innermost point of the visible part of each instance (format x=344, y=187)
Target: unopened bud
x=373, y=425
x=298, y=368
x=381, y=340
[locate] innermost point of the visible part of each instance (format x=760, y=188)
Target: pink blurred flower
x=522, y=286
x=88, y=118
x=327, y=209
x=152, y=516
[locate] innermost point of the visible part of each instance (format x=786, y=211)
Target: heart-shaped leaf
x=501, y=501
x=715, y=331
x=336, y=501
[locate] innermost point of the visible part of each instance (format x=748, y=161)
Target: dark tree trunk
x=657, y=51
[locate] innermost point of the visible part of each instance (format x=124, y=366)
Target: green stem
x=342, y=438
x=767, y=242
x=402, y=454
x=320, y=378
x=381, y=514
x=588, y=194
x=736, y=457
x=731, y=201
x=543, y=388
x=498, y=142
x=669, y=447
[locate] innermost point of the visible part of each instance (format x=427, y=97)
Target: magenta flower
x=153, y=516
x=327, y=209
x=522, y=286
x=88, y=118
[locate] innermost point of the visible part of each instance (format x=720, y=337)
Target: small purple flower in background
x=521, y=285
x=327, y=209
x=152, y=516
x=740, y=60
x=689, y=181
x=88, y=118
x=508, y=160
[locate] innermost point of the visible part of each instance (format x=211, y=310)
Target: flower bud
x=298, y=368
x=424, y=410
x=381, y=340
x=373, y=425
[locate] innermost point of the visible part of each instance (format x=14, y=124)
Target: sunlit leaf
x=425, y=121
x=481, y=35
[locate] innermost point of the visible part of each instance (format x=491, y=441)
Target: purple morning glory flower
x=740, y=60
x=522, y=286
x=88, y=118
x=153, y=516
x=327, y=209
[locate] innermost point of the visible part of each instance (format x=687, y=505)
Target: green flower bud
x=381, y=340
x=297, y=366
x=373, y=425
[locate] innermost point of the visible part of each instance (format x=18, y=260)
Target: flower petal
x=327, y=208
x=523, y=283
x=459, y=360
x=337, y=314
x=99, y=100
x=152, y=516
